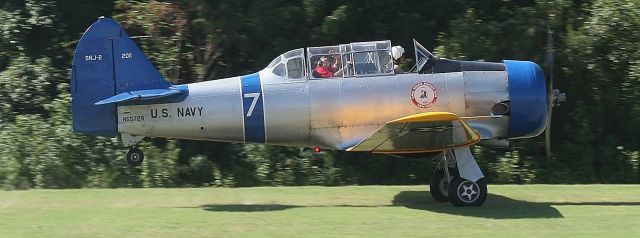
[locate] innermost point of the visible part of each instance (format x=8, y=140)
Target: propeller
x=554, y=96
x=549, y=58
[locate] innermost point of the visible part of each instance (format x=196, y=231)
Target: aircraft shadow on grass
x=496, y=207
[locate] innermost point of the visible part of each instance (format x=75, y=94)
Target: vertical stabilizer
x=106, y=63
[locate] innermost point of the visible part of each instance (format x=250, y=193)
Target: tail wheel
x=439, y=186
x=135, y=157
x=467, y=193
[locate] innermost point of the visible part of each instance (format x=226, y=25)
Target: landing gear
x=135, y=157
x=439, y=183
x=458, y=179
x=465, y=193
x=441, y=178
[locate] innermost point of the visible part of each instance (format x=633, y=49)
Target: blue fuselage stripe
x=253, y=109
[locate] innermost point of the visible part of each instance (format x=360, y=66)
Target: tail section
x=107, y=63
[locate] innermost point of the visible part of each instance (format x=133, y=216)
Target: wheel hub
x=135, y=157
x=468, y=191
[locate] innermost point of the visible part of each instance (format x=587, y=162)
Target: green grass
x=367, y=211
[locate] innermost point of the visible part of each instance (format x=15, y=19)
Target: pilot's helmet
x=397, y=52
x=323, y=59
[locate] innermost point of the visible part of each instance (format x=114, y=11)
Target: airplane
x=347, y=97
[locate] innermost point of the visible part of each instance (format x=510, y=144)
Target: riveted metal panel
x=286, y=106
x=347, y=110
x=212, y=111
x=483, y=89
x=324, y=108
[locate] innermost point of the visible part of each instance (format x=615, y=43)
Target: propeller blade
x=550, y=61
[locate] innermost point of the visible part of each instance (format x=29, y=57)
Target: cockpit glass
x=279, y=70
x=293, y=53
x=294, y=68
x=324, y=50
x=359, y=59
x=289, y=65
x=371, y=46
x=373, y=62
x=274, y=62
x=349, y=60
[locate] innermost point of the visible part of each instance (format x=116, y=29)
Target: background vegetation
x=597, y=64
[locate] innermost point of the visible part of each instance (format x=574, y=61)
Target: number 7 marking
x=255, y=97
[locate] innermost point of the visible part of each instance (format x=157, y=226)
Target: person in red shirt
x=325, y=69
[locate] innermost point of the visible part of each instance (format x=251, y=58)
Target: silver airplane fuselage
x=334, y=113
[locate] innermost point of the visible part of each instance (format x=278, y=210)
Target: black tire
x=464, y=193
x=135, y=157
x=438, y=186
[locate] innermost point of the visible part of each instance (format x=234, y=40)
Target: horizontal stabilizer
x=143, y=95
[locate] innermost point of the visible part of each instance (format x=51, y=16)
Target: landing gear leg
x=442, y=177
x=135, y=157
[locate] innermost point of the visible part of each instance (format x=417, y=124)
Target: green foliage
x=161, y=30
x=507, y=32
x=605, y=58
x=274, y=165
x=159, y=167
x=25, y=86
x=8, y=43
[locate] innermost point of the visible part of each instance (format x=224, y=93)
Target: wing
x=420, y=133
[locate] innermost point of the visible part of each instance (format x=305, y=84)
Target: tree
x=605, y=82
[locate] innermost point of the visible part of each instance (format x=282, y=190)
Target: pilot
x=397, y=53
x=325, y=69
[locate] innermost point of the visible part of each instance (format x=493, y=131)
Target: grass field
x=363, y=211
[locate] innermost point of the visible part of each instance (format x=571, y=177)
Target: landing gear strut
x=135, y=157
x=443, y=175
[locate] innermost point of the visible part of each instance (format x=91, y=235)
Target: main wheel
x=466, y=193
x=439, y=186
x=135, y=157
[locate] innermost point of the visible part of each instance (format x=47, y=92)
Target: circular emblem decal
x=424, y=95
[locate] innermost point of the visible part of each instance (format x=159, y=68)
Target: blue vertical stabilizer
x=107, y=63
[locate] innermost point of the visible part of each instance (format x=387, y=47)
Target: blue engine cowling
x=528, y=99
